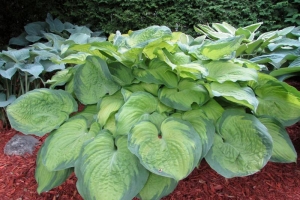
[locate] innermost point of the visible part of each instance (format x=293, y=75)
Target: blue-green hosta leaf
x=79, y=38
x=157, y=187
x=55, y=24
x=40, y=111
x=120, y=73
x=5, y=102
x=141, y=38
x=15, y=55
x=20, y=40
x=49, y=179
x=284, y=71
x=137, y=107
x=34, y=69
x=204, y=127
x=279, y=100
x=235, y=93
x=282, y=43
x=182, y=97
x=56, y=40
x=107, y=170
x=276, y=59
x=216, y=50
x=241, y=147
x=62, y=147
x=213, y=110
x=35, y=28
x=49, y=66
x=8, y=70
x=33, y=38
x=158, y=72
x=222, y=71
x=171, y=151
x=283, y=148
x=108, y=106
x=93, y=81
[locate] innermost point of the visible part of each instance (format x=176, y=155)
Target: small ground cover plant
x=156, y=102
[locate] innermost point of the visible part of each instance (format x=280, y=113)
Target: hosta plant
x=155, y=104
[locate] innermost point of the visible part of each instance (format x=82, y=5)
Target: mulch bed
x=274, y=181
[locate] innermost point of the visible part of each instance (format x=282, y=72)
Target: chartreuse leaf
x=171, y=151
x=222, y=71
x=213, y=110
x=242, y=145
x=93, y=81
x=182, y=97
x=109, y=105
x=60, y=78
x=158, y=72
x=138, y=106
x=283, y=148
x=49, y=179
x=107, y=170
x=204, y=127
x=235, y=93
x=157, y=187
x=277, y=99
x=62, y=147
x=216, y=50
x=40, y=111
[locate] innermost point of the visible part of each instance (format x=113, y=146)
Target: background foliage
x=122, y=15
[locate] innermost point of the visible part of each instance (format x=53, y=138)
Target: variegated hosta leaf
x=89, y=113
x=235, y=93
x=222, y=71
x=137, y=107
x=40, y=111
x=60, y=78
x=107, y=170
x=279, y=100
x=157, y=72
x=173, y=60
x=242, y=145
x=213, y=110
x=204, y=127
x=62, y=147
x=221, y=48
x=173, y=151
x=93, y=81
x=182, y=97
x=283, y=148
x=109, y=105
x=157, y=187
x=49, y=179
x=145, y=87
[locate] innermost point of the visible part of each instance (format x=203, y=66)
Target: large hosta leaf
x=182, y=97
x=107, y=170
x=173, y=151
x=62, y=147
x=40, y=111
x=242, y=145
x=158, y=72
x=277, y=99
x=138, y=106
x=157, y=187
x=213, y=110
x=49, y=179
x=283, y=148
x=235, y=93
x=222, y=71
x=93, y=80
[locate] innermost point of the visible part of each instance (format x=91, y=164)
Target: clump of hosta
x=156, y=104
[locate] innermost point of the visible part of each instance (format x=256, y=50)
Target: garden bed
x=274, y=181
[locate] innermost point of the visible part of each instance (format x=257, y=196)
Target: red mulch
x=274, y=181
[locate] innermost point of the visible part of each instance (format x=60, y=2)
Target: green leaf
x=121, y=74
x=253, y=27
x=109, y=105
x=62, y=147
x=242, y=145
x=221, y=48
x=49, y=179
x=60, y=78
x=235, y=93
x=40, y=111
x=284, y=71
x=157, y=187
x=89, y=113
x=222, y=71
x=283, y=148
x=157, y=72
x=279, y=100
x=182, y=97
x=107, y=170
x=138, y=106
x=212, y=109
x=173, y=151
x=93, y=81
